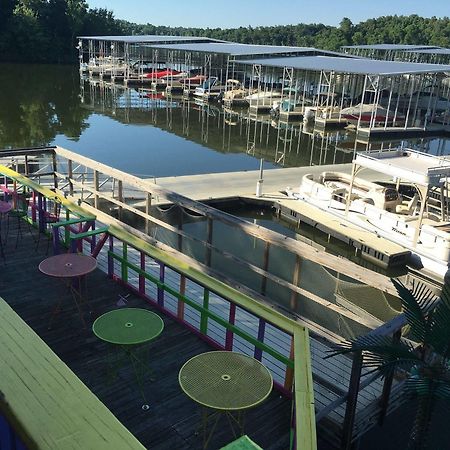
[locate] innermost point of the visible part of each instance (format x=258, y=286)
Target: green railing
x=222, y=315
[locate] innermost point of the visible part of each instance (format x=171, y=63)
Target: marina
x=258, y=200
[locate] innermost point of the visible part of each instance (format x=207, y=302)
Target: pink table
x=70, y=267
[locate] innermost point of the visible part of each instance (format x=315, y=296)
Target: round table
x=67, y=266
x=126, y=328
x=225, y=382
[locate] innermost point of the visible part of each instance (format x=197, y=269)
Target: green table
x=228, y=383
x=126, y=328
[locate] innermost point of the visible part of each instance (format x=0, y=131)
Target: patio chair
x=20, y=212
x=50, y=215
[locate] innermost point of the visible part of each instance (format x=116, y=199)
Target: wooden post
x=160, y=288
x=209, y=237
x=296, y=280
x=204, y=314
x=96, y=188
x=289, y=377
x=141, y=277
x=148, y=205
x=387, y=385
x=180, y=308
x=352, y=399
x=261, y=332
x=70, y=175
x=27, y=168
x=265, y=267
x=120, y=196
x=55, y=169
x=229, y=334
x=424, y=198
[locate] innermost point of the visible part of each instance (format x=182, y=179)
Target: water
x=152, y=136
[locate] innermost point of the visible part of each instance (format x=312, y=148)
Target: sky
x=236, y=13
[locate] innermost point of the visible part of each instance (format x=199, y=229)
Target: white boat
x=263, y=99
x=419, y=222
x=370, y=113
x=235, y=93
x=209, y=89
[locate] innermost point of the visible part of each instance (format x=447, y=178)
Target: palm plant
x=423, y=359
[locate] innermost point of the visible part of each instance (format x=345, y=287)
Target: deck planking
x=172, y=420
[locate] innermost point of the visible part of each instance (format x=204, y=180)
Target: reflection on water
x=45, y=104
x=148, y=134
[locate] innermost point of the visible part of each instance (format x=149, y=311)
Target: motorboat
x=209, y=89
x=263, y=99
x=166, y=73
x=370, y=113
x=195, y=80
x=412, y=211
x=235, y=93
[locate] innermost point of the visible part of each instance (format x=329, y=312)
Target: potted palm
x=421, y=357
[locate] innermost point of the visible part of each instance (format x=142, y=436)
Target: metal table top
x=127, y=326
x=226, y=381
x=5, y=207
x=68, y=265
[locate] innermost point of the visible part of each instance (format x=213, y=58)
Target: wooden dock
x=172, y=419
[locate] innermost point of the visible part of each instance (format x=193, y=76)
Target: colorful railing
x=222, y=315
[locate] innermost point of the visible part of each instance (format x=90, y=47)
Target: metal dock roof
x=353, y=65
x=431, y=51
x=237, y=49
x=149, y=38
x=390, y=47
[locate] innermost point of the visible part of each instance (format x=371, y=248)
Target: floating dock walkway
x=227, y=186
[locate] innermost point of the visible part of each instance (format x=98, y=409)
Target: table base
x=117, y=358
x=236, y=421
x=79, y=295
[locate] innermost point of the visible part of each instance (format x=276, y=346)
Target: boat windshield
x=390, y=194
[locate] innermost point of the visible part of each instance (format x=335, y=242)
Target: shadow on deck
x=172, y=419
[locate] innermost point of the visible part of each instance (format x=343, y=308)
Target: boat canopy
x=408, y=165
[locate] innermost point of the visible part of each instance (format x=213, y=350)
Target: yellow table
x=226, y=382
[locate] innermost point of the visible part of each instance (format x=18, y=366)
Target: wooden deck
x=172, y=419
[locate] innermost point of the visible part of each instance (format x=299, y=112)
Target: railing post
x=352, y=400
x=229, y=334
x=41, y=213
x=124, y=266
x=96, y=188
x=110, y=257
x=289, y=377
x=120, y=196
x=141, y=277
x=261, y=332
x=209, y=237
x=180, y=306
x=54, y=169
x=387, y=385
x=265, y=266
x=70, y=176
x=204, y=315
x=160, y=288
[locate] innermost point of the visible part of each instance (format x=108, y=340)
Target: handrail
x=46, y=192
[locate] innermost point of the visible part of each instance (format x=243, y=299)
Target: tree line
x=46, y=30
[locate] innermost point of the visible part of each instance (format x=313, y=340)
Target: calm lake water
x=150, y=135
